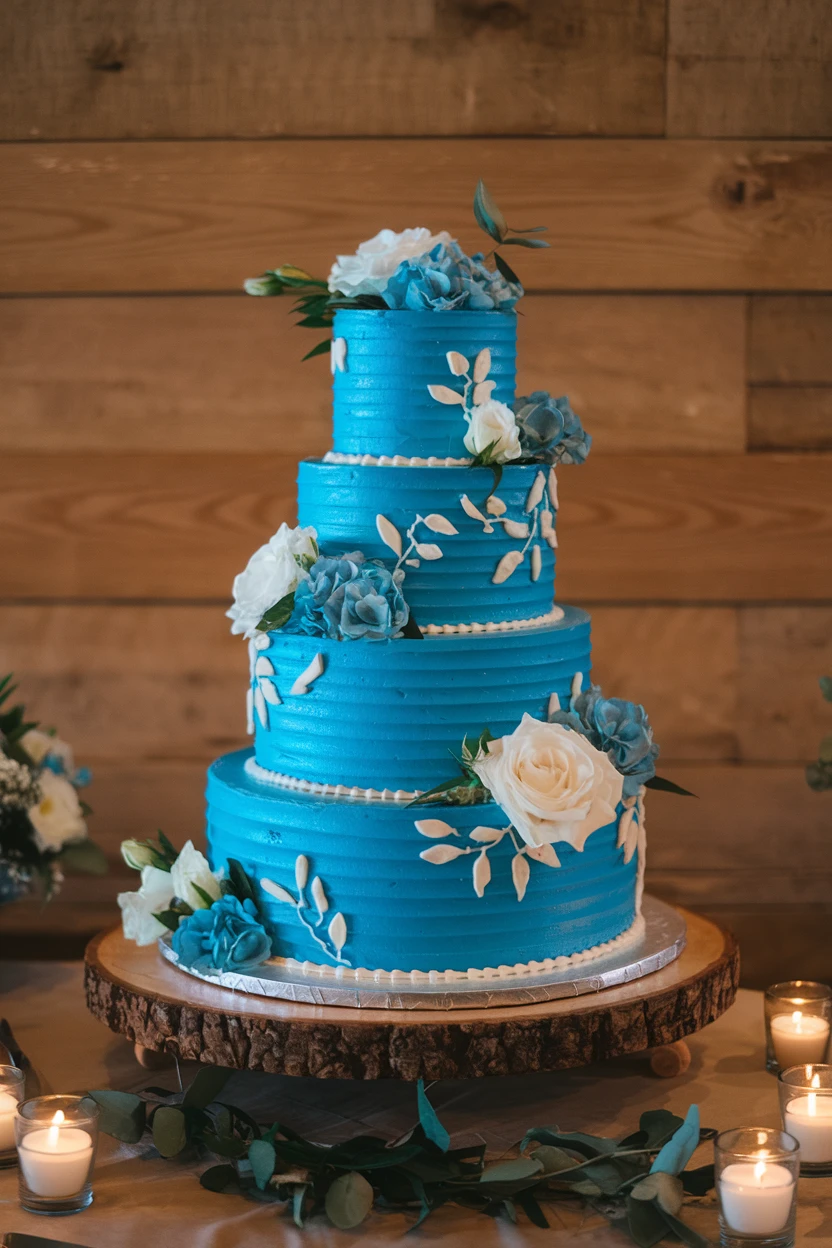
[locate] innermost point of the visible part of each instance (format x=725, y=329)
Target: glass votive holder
x=806, y=1110
x=56, y=1141
x=12, y=1080
x=756, y=1171
x=798, y=1024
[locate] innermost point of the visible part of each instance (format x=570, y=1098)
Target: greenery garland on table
x=638, y=1182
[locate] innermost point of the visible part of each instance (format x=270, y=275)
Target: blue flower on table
x=620, y=729
x=227, y=937
x=549, y=429
x=350, y=597
x=446, y=278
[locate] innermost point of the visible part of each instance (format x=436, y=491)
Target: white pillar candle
x=756, y=1197
x=809, y=1119
x=8, y=1109
x=799, y=1039
x=55, y=1161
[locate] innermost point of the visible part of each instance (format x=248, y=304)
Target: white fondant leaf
x=337, y=932
x=438, y=524
x=577, y=685
x=482, y=873
x=482, y=365
x=260, y=707
x=250, y=710
x=554, y=704
x=483, y=391
x=434, y=828
x=444, y=394
x=494, y=505
x=544, y=854
x=515, y=529
x=269, y=692
x=278, y=892
x=551, y=539
x=338, y=355
x=389, y=534
x=553, y=488
x=413, y=563
x=319, y=896
x=507, y=566
x=301, y=871
x=475, y=513
x=546, y=526
x=263, y=666
x=440, y=854
x=486, y=836
x=262, y=641
x=428, y=550
x=457, y=363
x=519, y=875
x=312, y=672
x=535, y=494
x=536, y=563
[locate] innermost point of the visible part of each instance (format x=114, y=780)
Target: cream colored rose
x=552, y=784
x=272, y=572
x=57, y=818
x=375, y=262
x=493, y=425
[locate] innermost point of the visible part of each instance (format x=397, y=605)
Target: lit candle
x=756, y=1197
x=8, y=1109
x=809, y=1119
x=55, y=1160
x=799, y=1039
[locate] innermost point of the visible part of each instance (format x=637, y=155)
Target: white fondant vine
x=485, y=839
x=262, y=690
x=476, y=389
x=538, y=519
x=336, y=932
x=415, y=551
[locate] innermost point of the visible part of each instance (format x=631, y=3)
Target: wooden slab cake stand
x=162, y=1010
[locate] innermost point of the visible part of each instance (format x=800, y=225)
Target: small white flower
x=57, y=816
x=375, y=262
x=19, y=788
x=493, y=422
x=138, y=909
x=552, y=784
x=191, y=867
x=272, y=572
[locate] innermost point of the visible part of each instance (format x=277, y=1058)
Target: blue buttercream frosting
x=389, y=714
x=381, y=400
x=343, y=502
x=400, y=911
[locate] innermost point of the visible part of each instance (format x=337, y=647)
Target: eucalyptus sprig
x=639, y=1182
x=819, y=774
x=490, y=219
x=315, y=305
x=466, y=789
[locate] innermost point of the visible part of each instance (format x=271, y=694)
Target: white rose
x=272, y=572
x=138, y=909
x=191, y=867
x=552, y=784
x=57, y=818
x=375, y=262
x=493, y=422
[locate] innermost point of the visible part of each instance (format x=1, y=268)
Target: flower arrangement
x=214, y=919
x=43, y=826
x=413, y=270
x=819, y=774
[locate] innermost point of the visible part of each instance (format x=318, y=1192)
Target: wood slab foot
x=670, y=1060
x=153, y=1059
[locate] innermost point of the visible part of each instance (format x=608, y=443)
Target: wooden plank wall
x=154, y=155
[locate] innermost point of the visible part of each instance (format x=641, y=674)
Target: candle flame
x=759, y=1171
x=52, y=1135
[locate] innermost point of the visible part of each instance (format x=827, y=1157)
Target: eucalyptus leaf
x=505, y=268
x=488, y=215
x=518, y=1168
x=606, y=1174
x=169, y=1130
x=664, y=1189
x=679, y=1149
x=686, y=1233
x=532, y=1210
x=429, y=1122
x=657, y=1126
x=121, y=1114
x=646, y=1222
x=553, y=1159
x=206, y=1087
x=525, y=242
x=698, y=1182
x=219, y=1178
x=348, y=1201
x=262, y=1157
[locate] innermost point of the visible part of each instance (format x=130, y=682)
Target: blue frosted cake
x=435, y=789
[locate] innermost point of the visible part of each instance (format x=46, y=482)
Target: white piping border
x=497, y=626
x=394, y=461
x=322, y=789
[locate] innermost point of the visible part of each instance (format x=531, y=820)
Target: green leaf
x=224, y=1145
x=488, y=215
x=206, y=1087
x=323, y=348
x=664, y=1189
x=512, y=1171
x=525, y=242
x=679, y=1149
x=279, y=614
x=169, y=851
x=505, y=268
x=428, y=1120
x=532, y=229
x=587, y=1145
x=169, y=919
x=825, y=683
x=698, y=1182
x=667, y=786
x=348, y=1201
x=241, y=885
x=606, y=1174
x=646, y=1223
x=219, y=1178
x=84, y=856
x=532, y=1209
x=202, y=895
x=686, y=1233
x=658, y=1125
x=554, y=1159
x=825, y=751
x=412, y=629
x=263, y=1157
x=169, y=1130
x=121, y=1115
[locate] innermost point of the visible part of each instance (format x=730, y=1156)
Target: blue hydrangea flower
x=350, y=597
x=620, y=729
x=549, y=430
x=227, y=937
x=445, y=278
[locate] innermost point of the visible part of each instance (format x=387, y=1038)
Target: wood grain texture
x=778, y=942
x=789, y=339
x=136, y=994
x=665, y=373
x=206, y=69
x=715, y=528
x=790, y=418
x=622, y=214
x=749, y=67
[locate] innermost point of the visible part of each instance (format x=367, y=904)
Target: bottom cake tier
x=370, y=889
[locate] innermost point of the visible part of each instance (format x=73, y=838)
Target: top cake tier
x=384, y=363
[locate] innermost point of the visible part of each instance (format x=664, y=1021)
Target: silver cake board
x=662, y=941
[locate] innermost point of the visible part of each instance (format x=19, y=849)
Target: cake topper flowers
x=413, y=270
